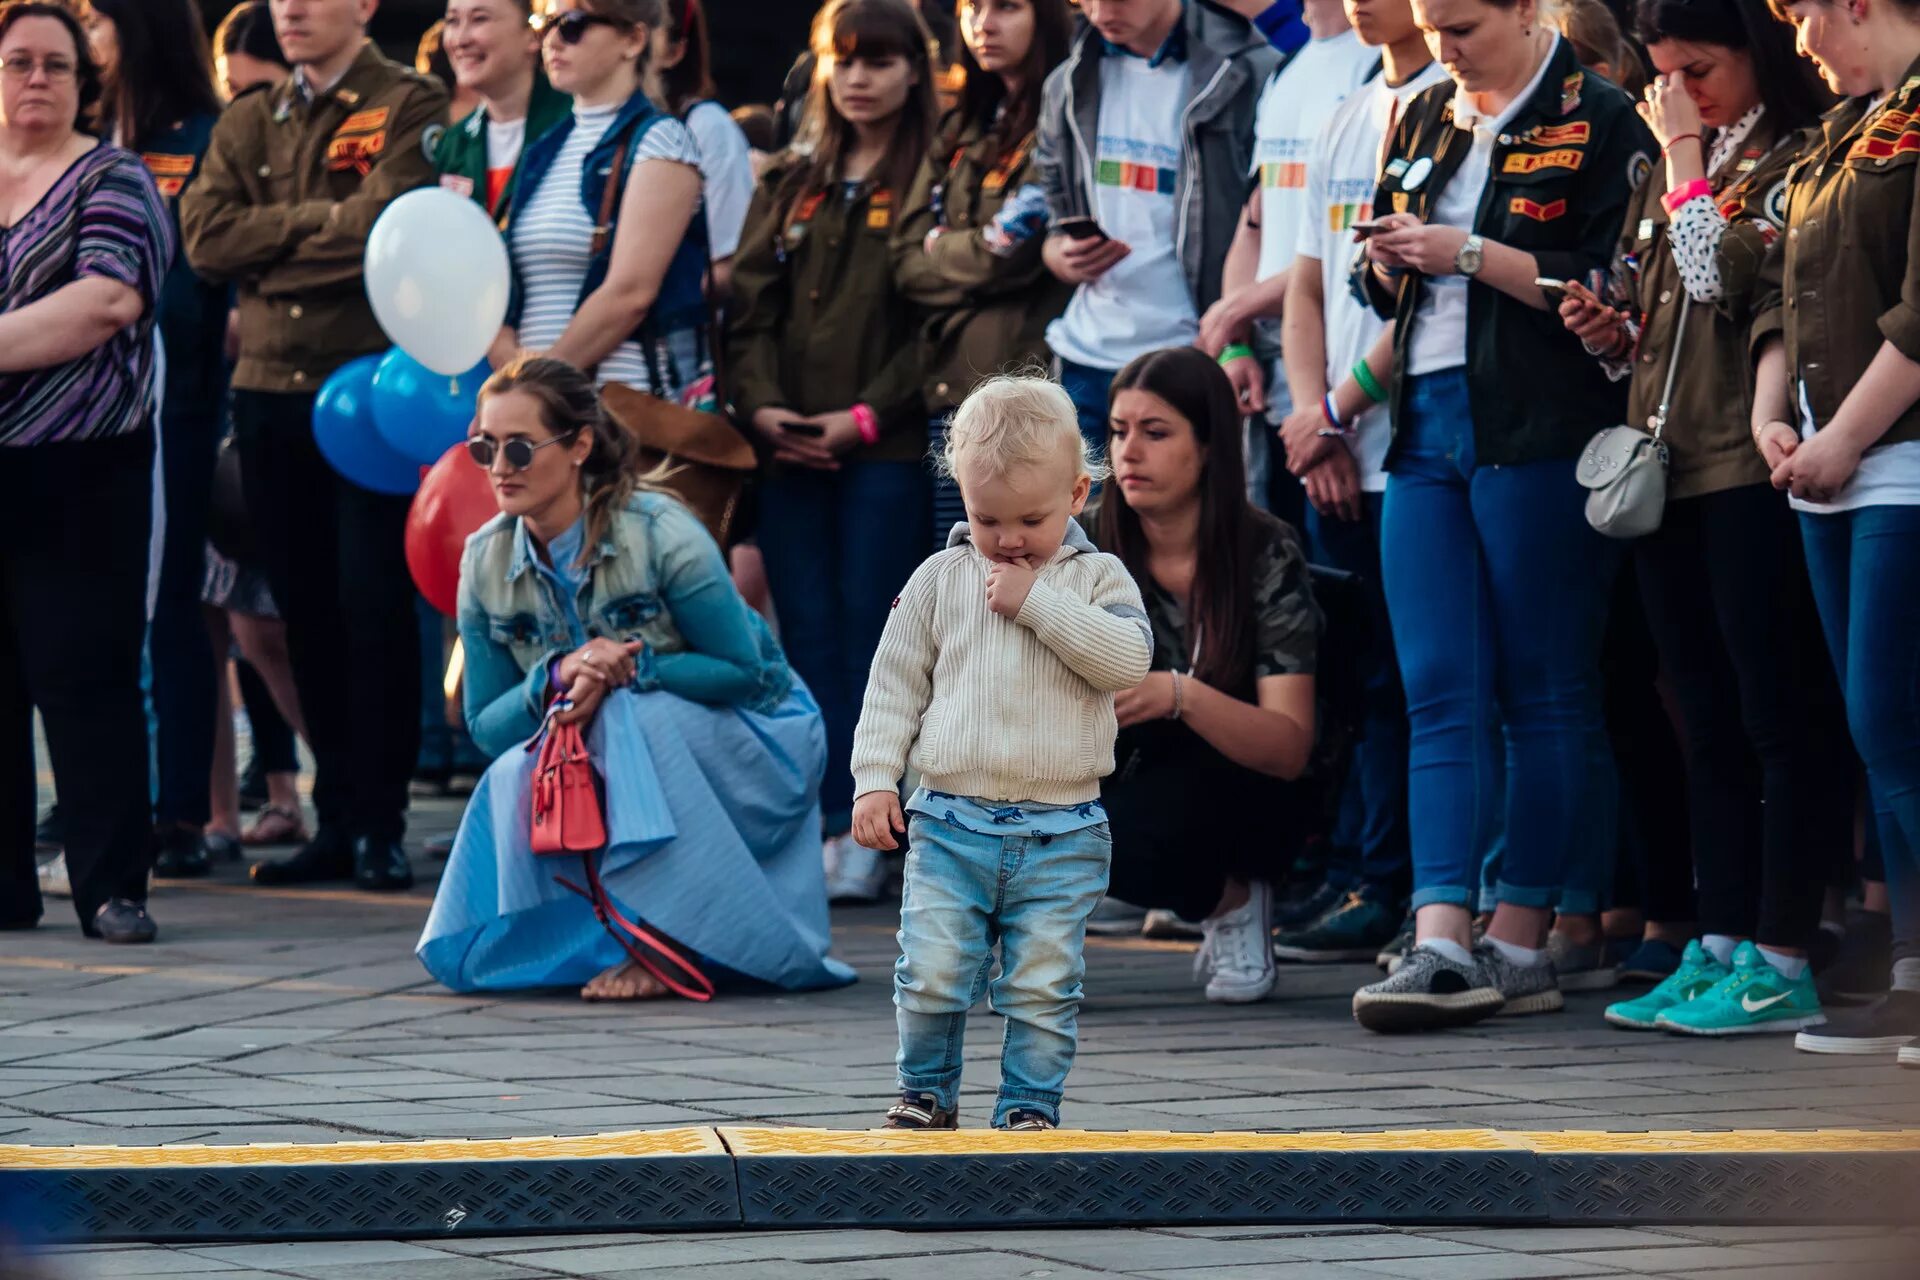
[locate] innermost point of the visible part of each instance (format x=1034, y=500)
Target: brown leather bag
x=707, y=462
x=703, y=459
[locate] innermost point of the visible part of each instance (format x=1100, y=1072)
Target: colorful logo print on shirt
x=1283, y=162
x=1132, y=165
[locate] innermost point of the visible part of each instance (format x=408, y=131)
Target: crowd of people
x=1175, y=425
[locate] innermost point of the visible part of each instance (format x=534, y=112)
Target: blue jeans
x=839, y=545
x=1373, y=800
x=1088, y=388
x=1498, y=591
x=964, y=892
x=1865, y=567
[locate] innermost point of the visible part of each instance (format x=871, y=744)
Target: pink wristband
x=868, y=422
x=1697, y=189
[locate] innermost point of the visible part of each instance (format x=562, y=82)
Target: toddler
x=995, y=680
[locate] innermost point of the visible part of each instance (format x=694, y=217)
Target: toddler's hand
x=876, y=817
x=1008, y=585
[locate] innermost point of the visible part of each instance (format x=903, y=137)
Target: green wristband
x=1368, y=383
x=1234, y=351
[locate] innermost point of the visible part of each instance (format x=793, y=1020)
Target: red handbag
x=569, y=819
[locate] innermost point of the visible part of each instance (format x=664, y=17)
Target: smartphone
x=1556, y=290
x=1361, y=230
x=797, y=428
x=1081, y=228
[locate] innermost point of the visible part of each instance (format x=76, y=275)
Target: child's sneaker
x=920, y=1111
x=1024, y=1121
x=1237, y=954
x=1698, y=974
x=1755, y=997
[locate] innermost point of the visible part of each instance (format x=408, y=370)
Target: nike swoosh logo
x=1754, y=1006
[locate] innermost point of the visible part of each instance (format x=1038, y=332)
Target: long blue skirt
x=713, y=823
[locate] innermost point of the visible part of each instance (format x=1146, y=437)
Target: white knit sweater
x=1003, y=709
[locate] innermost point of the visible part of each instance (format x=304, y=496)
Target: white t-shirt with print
x=1294, y=107
x=1343, y=172
x=1142, y=304
x=1440, y=325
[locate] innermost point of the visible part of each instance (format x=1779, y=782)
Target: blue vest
x=682, y=302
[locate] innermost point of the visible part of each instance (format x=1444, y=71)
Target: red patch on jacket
x=1538, y=212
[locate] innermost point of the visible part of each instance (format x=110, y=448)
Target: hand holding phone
x=1080, y=228
x=1556, y=290
x=1364, y=228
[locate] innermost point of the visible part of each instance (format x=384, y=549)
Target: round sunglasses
x=570, y=26
x=519, y=452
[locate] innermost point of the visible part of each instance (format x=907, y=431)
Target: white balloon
x=438, y=278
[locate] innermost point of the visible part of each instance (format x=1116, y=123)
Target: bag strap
x=1673, y=364
x=653, y=953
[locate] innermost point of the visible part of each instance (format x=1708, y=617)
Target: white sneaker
x=854, y=874
x=1112, y=918
x=53, y=877
x=1237, y=951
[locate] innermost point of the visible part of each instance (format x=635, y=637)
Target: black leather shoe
x=124, y=921
x=325, y=857
x=180, y=854
x=380, y=865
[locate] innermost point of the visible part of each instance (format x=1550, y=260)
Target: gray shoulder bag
x=1624, y=469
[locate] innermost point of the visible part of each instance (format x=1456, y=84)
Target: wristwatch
x=1467, y=261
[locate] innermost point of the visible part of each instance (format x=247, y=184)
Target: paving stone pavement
x=301, y=1015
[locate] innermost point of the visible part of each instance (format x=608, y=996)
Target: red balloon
x=454, y=500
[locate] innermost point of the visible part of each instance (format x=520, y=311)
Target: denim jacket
x=682, y=301
x=657, y=576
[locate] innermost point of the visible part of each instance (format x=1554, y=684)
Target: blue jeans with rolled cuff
x=1497, y=589
x=964, y=892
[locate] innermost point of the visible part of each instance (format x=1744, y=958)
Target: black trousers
x=1654, y=871
x=1724, y=582
x=335, y=556
x=74, y=533
x=182, y=655
x=1185, y=819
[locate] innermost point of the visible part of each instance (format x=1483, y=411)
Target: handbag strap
x=645, y=948
x=1673, y=364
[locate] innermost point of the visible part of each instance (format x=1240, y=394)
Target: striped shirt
x=103, y=217
x=553, y=239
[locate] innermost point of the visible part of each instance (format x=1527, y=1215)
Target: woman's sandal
x=275, y=824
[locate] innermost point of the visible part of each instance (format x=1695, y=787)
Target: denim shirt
x=682, y=300
x=657, y=576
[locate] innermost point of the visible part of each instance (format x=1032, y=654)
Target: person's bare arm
x=68, y=323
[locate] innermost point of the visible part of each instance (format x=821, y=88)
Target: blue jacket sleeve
x=721, y=664
x=1282, y=25
x=503, y=705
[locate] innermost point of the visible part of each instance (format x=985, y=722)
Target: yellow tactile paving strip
x=802, y=1143
x=599, y=1146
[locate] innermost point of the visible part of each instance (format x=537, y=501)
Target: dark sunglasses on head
x=572, y=25
x=519, y=452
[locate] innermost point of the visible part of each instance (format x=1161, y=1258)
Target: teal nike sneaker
x=1698, y=974
x=1753, y=999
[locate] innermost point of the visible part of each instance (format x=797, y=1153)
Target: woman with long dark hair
x=1723, y=580
x=968, y=247
x=597, y=598
x=246, y=53
x=824, y=365
x=682, y=83
x=158, y=99
x=1199, y=803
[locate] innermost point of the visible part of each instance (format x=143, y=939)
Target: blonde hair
x=1017, y=420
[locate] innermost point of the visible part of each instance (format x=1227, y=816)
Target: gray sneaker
x=1427, y=992
x=1581, y=968
x=1526, y=988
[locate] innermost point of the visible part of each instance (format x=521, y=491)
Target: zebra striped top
x=103, y=217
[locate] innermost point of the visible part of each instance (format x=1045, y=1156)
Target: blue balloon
x=343, y=429
x=419, y=413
